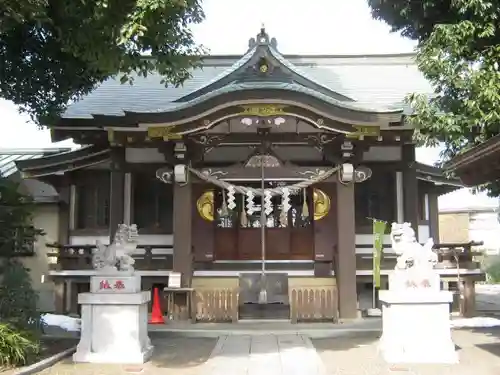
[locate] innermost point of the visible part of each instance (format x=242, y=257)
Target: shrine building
x=321, y=141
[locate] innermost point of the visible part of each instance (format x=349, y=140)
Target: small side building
x=46, y=217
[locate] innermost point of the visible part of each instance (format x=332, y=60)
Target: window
x=92, y=201
x=375, y=198
x=423, y=203
x=153, y=203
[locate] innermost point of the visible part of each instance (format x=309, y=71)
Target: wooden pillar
x=324, y=237
x=64, y=221
x=65, y=199
x=182, y=231
x=116, y=190
x=346, y=252
x=410, y=187
x=127, y=199
x=468, y=300
x=433, y=216
x=59, y=295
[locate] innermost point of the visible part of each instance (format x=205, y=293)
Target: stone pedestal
x=114, y=321
x=416, y=327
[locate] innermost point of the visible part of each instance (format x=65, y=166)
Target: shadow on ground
x=490, y=341
x=173, y=351
x=178, y=355
x=345, y=342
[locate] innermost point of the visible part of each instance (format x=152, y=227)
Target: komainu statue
x=415, y=264
x=117, y=256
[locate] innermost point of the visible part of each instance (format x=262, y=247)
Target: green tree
x=52, y=52
x=458, y=52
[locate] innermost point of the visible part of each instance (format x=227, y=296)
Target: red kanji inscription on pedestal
x=104, y=284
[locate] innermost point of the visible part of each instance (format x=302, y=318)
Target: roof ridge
x=223, y=56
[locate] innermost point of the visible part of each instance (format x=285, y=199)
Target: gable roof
x=478, y=165
x=369, y=82
x=9, y=157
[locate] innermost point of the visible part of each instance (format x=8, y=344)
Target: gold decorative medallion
x=322, y=204
x=205, y=205
x=263, y=110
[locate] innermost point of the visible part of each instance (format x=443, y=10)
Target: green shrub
x=493, y=273
x=16, y=347
x=18, y=300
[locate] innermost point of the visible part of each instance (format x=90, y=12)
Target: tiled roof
x=374, y=81
x=8, y=157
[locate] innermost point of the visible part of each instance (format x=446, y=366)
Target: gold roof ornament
x=263, y=110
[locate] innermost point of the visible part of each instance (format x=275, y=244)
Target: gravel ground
x=172, y=355
x=479, y=352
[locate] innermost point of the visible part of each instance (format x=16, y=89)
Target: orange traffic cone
x=156, y=314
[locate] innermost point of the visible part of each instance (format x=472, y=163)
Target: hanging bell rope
x=305, y=208
x=243, y=217
x=260, y=192
x=223, y=210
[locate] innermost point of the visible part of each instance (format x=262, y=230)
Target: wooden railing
x=79, y=257
x=313, y=304
x=216, y=305
x=448, y=256
x=462, y=253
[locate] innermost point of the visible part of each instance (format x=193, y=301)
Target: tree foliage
x=459, y=53
x=52, y=52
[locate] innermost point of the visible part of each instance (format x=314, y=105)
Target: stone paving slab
x=479, y=352
x=264, y=355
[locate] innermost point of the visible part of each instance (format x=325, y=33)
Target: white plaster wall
x=143, y=155
x=382, y=153
x=46, y=217
x=424, y=233
x=367, y=239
